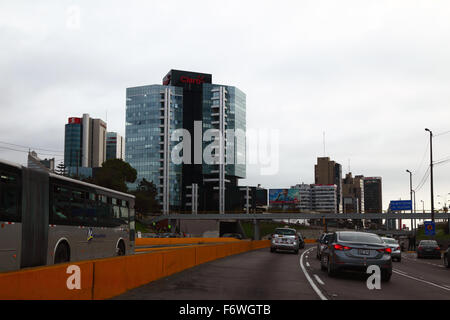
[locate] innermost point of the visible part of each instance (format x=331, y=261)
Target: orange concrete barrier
x=205, y=254
x=110, y=277
x=106, y=278
x=46, y=283
x=310, y=240
x=223, y=250
x=144, y=268
x=177, y=260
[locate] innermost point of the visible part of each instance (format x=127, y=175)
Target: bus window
x=61, y=206
x=78, y=214
x=9, y=197
x=124, y=213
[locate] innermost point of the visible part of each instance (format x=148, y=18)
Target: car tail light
x=419, y=248
x=398, y=248
x=385, y=250
x=341, y=247
x=438, y=248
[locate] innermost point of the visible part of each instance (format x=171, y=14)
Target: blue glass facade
x=144, y=135
x=72, y=145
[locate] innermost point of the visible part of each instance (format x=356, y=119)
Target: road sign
x=430, y=228
x=400, y=205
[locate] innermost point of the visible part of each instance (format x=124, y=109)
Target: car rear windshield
x=391, y=241
x=359, y=237
x=285, y=232
x=428, y=243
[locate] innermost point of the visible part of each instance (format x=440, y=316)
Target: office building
x=353, y=194
x=373, y=201
x=324, y=197
x=328, y=172
x=84, y=143
x=115, y=146
x=34, y=162
x=188, y=108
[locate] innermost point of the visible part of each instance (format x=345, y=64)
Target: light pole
x=414, y=197
x=410, y=193
x=431, y=172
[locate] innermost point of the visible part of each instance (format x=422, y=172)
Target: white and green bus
x=46, y=219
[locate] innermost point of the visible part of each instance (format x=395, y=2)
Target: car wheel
x=446, y=264
x=385, y=276
x=272, y=249
x=399, y=259
x=296, y=251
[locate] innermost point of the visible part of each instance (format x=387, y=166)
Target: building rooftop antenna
x=324, y=153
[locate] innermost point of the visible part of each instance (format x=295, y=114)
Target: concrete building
x=115, y=146
x=35, y=162
x=353, y=194
x=84, y=143
x=328, y=172
x=324, y=197
x=373, y=200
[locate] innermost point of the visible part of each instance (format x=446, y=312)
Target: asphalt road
x=261, y=275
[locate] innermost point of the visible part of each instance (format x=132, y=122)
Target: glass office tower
x=187, y=100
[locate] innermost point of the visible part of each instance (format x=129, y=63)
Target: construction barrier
x=106, y=278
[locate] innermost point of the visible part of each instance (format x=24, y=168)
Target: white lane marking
x=307, y=264
x=313, y=285
x=400, y=271
x=417, y=279
x=318, y=279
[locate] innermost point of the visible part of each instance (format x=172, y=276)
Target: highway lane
x=410, y=280
x=261, y=275
x=255, y=275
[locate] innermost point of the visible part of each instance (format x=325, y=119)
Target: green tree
x=146, y=202
x=114, y=174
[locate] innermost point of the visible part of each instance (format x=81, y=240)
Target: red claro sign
x=198, y=80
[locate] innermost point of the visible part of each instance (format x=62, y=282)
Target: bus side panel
x=35, y=208
x=11, y=235
x=76, y=237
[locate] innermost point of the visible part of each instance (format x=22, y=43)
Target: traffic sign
x=430, y=228
x=400, y=205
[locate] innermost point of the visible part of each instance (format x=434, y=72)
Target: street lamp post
x=414, y=202
x=410, y=193
x=431, y=172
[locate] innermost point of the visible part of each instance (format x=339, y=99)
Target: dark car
x=428, y=248
x=322, y=243
x=232, y=235
x=447, y=257
x=356, y=251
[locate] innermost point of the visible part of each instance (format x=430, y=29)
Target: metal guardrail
x=283, y=215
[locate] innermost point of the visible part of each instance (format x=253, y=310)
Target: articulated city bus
x=46, y=219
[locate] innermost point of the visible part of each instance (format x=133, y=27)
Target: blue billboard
x=400, y=205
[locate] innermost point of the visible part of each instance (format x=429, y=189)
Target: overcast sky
x=370, y=74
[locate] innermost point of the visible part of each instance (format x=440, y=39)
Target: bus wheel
x=62, y=253
x=121, y=248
